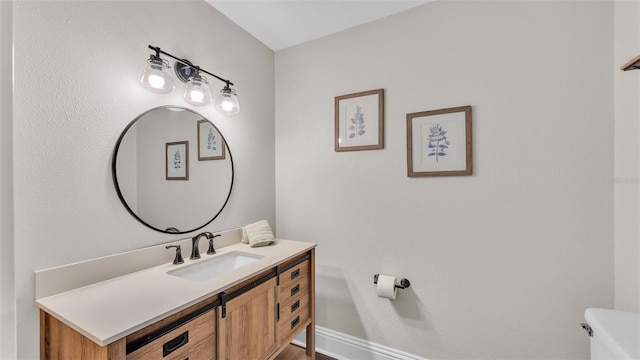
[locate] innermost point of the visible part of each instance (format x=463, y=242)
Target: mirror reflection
x=172, y=169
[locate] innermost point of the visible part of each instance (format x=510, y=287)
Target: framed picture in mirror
x=210, y=143
x=177, y=160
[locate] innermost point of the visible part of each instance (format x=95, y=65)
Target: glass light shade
x=154, y=78
x=197, y=92
x=227, y=101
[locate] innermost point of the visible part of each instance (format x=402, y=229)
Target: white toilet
x=614, y=334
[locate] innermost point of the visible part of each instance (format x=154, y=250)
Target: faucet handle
x=211, y=250
x=178, y=259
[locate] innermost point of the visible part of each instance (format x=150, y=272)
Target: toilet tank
x=614, y=334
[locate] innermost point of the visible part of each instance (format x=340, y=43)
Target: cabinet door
x=248, y=329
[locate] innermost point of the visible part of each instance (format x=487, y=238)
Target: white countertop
x=112, y=309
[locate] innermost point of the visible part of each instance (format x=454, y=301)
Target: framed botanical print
x=359, y=121
x=439, y=142
x=210, y=143
x=177, y=160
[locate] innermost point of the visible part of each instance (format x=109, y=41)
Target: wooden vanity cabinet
x=187, y=334
x=247, y=324
x=259, y=323
x=294, y=309
x=254, y=320
x=60, y=342
x=190, y=340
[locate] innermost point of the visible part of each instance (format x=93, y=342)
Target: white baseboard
x=346, y=347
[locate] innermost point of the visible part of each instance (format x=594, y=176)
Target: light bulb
x=196, y=95
x=227, y=101
x=156, y=81
x=227, y=105
x=197, y=92
x=153, y=78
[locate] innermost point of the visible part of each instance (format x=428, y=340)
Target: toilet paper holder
x=404, y=283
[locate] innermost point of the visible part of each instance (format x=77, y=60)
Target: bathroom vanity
x=250, y=311
x=239, y=303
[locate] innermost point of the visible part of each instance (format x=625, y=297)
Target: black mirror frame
x=114, y=175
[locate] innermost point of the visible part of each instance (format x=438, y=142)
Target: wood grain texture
x=295, y=306
x=293, y=320
x=200, y=345
x=287, y=283
x=311, y=328
x=166, y=321
x=248, y=330
x=60, y=342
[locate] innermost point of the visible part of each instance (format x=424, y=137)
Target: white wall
x=76, y=71
x=627, y=158
x=503, y=263
x=7, y=294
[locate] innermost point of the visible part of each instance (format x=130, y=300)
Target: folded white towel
x=258, y=234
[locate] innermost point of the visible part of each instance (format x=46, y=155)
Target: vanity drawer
x=295, y=306
x=294, y=282
x=192, y=340
x=297, y=317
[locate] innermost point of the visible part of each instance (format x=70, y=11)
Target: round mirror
x=172, y=169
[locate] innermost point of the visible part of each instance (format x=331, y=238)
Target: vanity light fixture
x=197, y=91
x=153, y=76
x=227, y=100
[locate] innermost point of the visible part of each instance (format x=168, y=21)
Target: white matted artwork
x=210, y=142
x=439, y=142
x=359, y=121
x=177, y=160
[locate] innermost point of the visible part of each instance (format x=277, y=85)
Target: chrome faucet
x=195, y=254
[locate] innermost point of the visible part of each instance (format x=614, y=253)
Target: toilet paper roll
x=387, y=287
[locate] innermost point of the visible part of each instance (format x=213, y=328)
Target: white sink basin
x=207, y=269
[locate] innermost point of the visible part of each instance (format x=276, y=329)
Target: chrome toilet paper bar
x=404, y=283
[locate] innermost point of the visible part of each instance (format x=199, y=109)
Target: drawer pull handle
x=295, y=321
x=295, y=306
x=175, y=343
x=295, y=273
x=295, y=289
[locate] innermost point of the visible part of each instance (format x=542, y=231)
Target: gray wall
x=76, y=71
x=502, y=263
x=627, y=157
x=502, y=267
x=7, y=280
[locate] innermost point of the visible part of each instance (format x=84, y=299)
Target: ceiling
x=280, y=24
